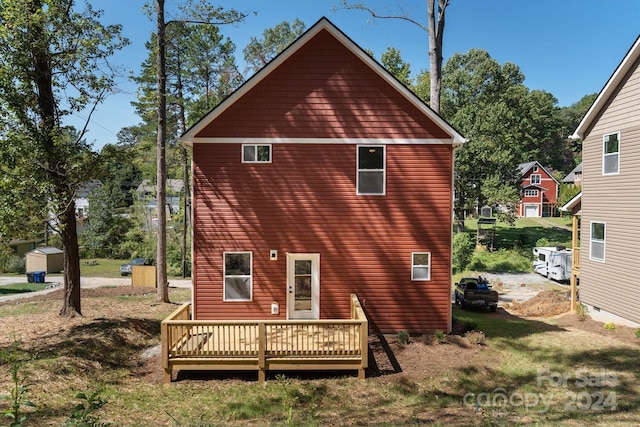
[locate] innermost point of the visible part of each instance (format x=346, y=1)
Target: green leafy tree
x=106, y=228
x=53, y=63
x=259, y=52
x=394, y=63
x=506, y=125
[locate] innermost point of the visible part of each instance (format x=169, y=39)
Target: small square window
x=252, y=153
x=371, y=170
x=421, y=266
x=535, y=179
x=237, y=276
x=611, y=154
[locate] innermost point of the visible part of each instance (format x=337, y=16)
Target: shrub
x=582, y=311
x=475, y=337
x=610, y=326
x=403, y=337
x=638, y=333
x=440, y=337
x=469, y=325
x=463, y=247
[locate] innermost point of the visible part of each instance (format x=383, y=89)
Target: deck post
x=164, y=340
x=262, y=348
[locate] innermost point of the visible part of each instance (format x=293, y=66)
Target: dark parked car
x=475, y=292
x=125, y=269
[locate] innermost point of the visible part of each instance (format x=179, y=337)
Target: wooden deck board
x=264, y=345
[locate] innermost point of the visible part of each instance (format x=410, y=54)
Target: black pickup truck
x=475, y=292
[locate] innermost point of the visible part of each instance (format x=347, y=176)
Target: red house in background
x=539, y=191
x=320, y=177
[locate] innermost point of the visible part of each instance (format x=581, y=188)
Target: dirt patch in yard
x=544, y=304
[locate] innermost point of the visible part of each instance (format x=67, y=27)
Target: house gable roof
x=571, y=176
x=574, y=205
x=526, y=167
x=322, y=87
x=609, y=90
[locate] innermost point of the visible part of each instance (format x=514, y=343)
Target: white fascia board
x=608, y=90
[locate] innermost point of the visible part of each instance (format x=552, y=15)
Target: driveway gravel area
x=55, y=282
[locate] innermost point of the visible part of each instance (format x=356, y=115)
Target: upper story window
x=611, y=154
x=535, y=178
x=531, y=193
x=371, y=170
x=535, y=169
x=254, y=153
x=598, y=240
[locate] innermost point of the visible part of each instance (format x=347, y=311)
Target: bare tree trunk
x=71, y=303
x=161, y=184
x=436, y=34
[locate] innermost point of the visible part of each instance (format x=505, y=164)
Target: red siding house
x=323, y=176
x=539, y=191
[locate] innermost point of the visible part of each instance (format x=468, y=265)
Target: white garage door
x=531, y=210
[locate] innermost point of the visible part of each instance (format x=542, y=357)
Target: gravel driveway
x=55, y=282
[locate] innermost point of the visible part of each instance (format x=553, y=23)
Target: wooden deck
x=265, y=344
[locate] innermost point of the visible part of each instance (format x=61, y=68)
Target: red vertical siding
x=305, y=202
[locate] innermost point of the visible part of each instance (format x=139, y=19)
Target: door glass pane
x=302, y=292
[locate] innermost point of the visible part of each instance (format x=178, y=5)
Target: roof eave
x=607, y=91
x=189, y=137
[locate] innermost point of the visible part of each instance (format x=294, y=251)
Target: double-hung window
x=254, y=153
x=371, y=170
x=535, y=179
x=597, y=241
x=421, y=266
x=238, y=276
x=611, y=154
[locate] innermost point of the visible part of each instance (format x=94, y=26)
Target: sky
x=568, y=48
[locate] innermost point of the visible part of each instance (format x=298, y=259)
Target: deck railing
x=264, y=344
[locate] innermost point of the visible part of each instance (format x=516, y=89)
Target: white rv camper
x=553, y=262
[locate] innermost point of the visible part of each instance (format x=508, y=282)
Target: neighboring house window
x=237, y=276
x=611, y=154
x=252, y=153
x=371, y=170
x=535, y=179
x=421, y=266
x=598, y=240
x=531, y=193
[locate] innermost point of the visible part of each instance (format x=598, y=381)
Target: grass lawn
x=527, y=231
x=538, y=366
x=19, y=288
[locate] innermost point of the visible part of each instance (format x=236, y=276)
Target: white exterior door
x=303, y=286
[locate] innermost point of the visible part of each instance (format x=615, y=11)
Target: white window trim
x=604, y=242
x=256, y=153
x=413, y=266
x=535, y=168
x=539, y=178
x=383, y=170
x=532, y=193
x=617, y=153
x=224, y=276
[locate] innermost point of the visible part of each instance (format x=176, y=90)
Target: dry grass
x=103, y=350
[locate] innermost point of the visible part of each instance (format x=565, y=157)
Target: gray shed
x=47, y=259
